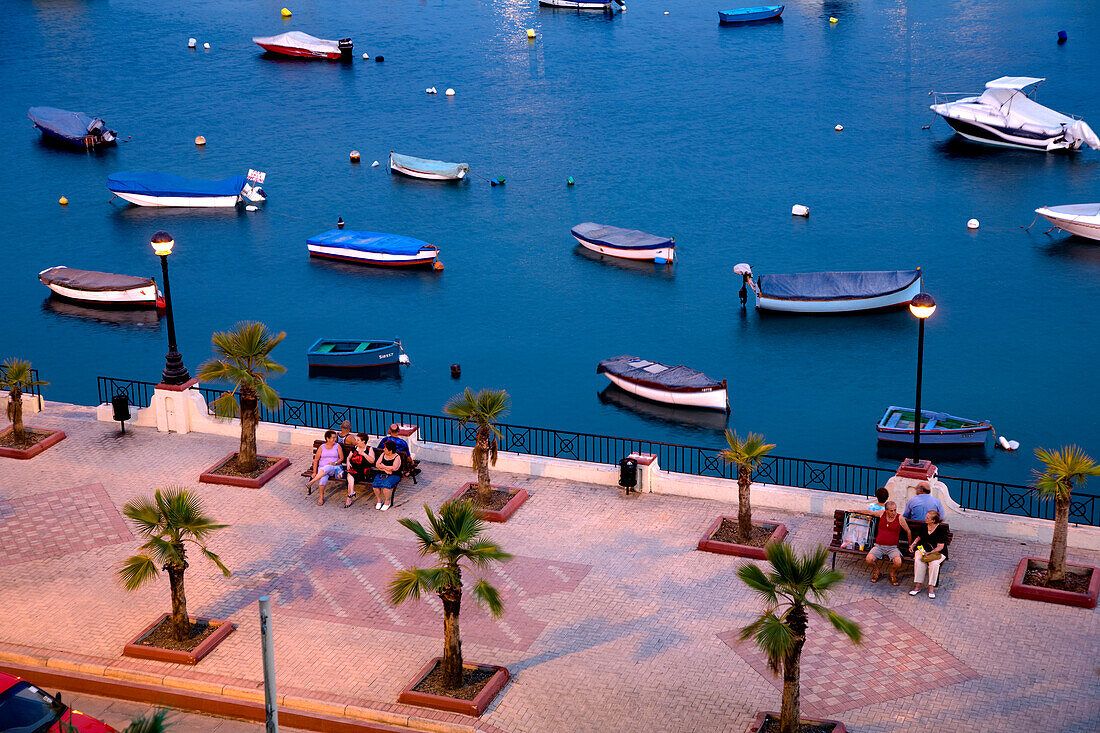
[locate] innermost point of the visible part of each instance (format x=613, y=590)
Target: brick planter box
x=208, y=477
x=1053, y=595
x=141, y=651
x=501, y=515
x=473, y=707
x=706, y=544
x=54, y=437
x=760, y=718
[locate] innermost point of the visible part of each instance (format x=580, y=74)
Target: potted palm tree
x=19, y=441
x=243, y=359
x=739, y=535
x=455, y=539
x=483, y=409
x=796, y=585
x=171, y=520
x=1055, y=581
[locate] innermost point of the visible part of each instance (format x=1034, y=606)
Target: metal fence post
x=270, y=709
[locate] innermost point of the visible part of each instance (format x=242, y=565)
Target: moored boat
x=167, y=190
x=673, y=385
x=1080, y=219
x=630, y=244
x=431, y=170
x=356, y=353
x=747, y=15
x=578, y=4
x=74, y=129
x=303, y=45
x=937, y=428
x=102, y=289
x=374, y=248
x=834, y=292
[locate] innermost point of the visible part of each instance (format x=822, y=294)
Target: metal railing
x=34, y=389
x=842, y=478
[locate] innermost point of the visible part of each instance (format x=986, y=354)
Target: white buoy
x=366, y=57
x=374, y=164
x=251, y=207
x=1003, y=441
x=800, y=210
x=666, y=12
x=191, y=42
x=1013, y=444
x=206, y=46
x=742, y=268
x=839, y=128
x=972, y=224
x=450, y=92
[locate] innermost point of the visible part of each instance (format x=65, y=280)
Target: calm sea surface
x=668, y=123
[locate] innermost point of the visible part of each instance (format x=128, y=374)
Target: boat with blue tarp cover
x=936, y=428
x=673, y=385
x=356, y=353
x=834, y=292
x=747, y=15
x=374, y=248
x=630, y=244
x=167, y=190
x=431, y=170
x=74, y=129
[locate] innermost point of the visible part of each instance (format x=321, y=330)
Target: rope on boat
x=1028, y=227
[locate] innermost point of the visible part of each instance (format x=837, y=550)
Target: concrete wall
x=31, y=403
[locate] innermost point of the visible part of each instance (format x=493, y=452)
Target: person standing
x=890, y=525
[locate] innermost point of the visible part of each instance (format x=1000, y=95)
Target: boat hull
x=848, y=305
x=932, y=437
x=1002, y=137
x=145, y=297
x=765, y=13
x=200, y=202
x=426, y=257
x=668, y=253
x=711, y=398
x=578, y=5
x=426, y=176
x=83, y=143
x=301, y=53
x=1081, y=226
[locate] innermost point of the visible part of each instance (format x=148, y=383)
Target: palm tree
x=746, y=453
x=454, y=538
x=482, y=409
x=15, y=376
x=1064, y=468
x=796, y=584
x=244, y=360
x=156, y=722
x=173, y=517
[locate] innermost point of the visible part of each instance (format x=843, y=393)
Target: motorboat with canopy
x=303, y=45
x=629, y=244
x=74, y=129
x=1006, y=114
x=833, y=292
x=936, y=428
x=673, y=385
x=167, y=190
x=374, y=248
x=1080, y=219
x=431, y=170
x=102, y=289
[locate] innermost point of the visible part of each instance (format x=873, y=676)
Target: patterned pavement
x=614, y=621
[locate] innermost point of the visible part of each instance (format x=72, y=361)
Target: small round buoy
x=839, y=128
x=1013, y=444
x=972, y=224
x=456, y=370
x=800, y=210
x=374, y=164
x=1062, y=37
x=569, y=181
x=660, y=261
x=251, y=207
x=666, y=12
x=832, y=20
x=191, y=42
x=63, y=201
x=366, y=57
x=339, y=222
x=1003, y=442
x=437, y=266
x=450, y=92
x=206, y=46
x=354, y=156
x=200, y=140
x=379, y=59
x=531, y=33
x=285, y=13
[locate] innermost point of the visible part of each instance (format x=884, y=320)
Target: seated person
x=881, y=495
x=387, y=475
x=930, y=550
x=394, y=434
x=919, y=506
x=359, y=465
x=890, y=524
x=327, y=463
x=345, y=437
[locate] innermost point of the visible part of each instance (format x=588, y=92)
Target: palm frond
x=137, y=570
x=488, y=596
x=758, y=581
x=1065, y=467
x=212, y=557
x=747, y=452
x=482, y=552
x=845, y=625
x=771, y=636
x=143, y=515
x=426, y=542
x=226, y=405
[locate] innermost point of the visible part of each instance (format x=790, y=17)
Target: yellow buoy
x=285, y=13
x=832, y=20
x=354, y=156
x=530, y=32
x=63, y=201
x=200, y=140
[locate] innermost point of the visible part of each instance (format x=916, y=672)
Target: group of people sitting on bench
x=349, y=455
x=928, y=547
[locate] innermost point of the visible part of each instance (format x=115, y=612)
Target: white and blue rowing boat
x=748, y=15
x=374, y=248
x=835, y=292
x=166, y=190
x=629, y=244
x=356, y=353
x=430, y=170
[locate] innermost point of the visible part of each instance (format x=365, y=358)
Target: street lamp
x=175, y=373
x=922, y=306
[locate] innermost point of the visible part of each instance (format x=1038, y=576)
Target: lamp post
x=922, y=306
x=175, y=373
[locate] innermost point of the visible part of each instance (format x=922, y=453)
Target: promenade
x=613, y=622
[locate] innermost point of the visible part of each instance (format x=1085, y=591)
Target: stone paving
x=614, y=622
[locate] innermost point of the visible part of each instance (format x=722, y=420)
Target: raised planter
x=474, y=707
x=142, y=651
x=209, y=477
x=54, y=437
x=760, y=719
x=706, y=544
x=499, y=515
x=1053, y=595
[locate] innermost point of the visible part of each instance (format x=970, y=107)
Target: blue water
x=669, y=124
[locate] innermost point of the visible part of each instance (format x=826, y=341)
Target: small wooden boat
x=1080, y=219
x=431, y=170
x=673, y=385
x=166, y=190
x=629, y=244
x=937, y=428
x=374, y=248
x=102, y=289
x=74, y=129
x=747, y=15
x=835, y=292
x=577, y=4
x=303, y=45
x=355, y=353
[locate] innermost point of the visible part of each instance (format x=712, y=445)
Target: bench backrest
x=919, y=527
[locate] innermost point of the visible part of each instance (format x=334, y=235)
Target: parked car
x=25, y=708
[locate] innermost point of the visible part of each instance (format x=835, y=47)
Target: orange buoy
x=437, y=266
x=63, y=201
x=200, y=141
x=354, y=156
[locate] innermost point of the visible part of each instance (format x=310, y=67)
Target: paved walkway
x=614, y=622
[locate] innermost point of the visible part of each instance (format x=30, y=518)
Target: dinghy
x=303, y=45
x=673, y=385
x=102, y=289
x=630, y=244
x=166, y=190
x=747, y=15
x=937, y=428
x=373, y=248
x=834, y=292
x=1005, y=114
x=431, y=170
x=578, y=4
x=74, y=129
x=355, y=353
x=1080, y=219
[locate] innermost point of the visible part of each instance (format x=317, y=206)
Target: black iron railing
x=34, y=389
x=842, y=478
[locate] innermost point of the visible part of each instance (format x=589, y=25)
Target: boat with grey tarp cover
x=673, y=385
x=103, y=289
x=833, y=292
x=630, y=244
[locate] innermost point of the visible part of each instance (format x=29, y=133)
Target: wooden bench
x=918, y=526
x=410, y=469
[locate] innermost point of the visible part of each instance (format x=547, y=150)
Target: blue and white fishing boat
x=747, y=15
x=833, y=292
x=629, y=244
x=356, y=353
x=74, y=129
x=166, y=190
x=374, y=248
x=431, y=170
x=937, y=428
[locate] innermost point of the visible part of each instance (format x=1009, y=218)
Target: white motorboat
x=673, y=385
x=1080, y=219
x=1007, y=115
x=303, y=45
x=166, y=190
x=102, y=289
x=833, y=292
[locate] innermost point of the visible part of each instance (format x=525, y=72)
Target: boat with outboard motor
x=1007, y=115
x=1080, y=219
x=167, y=190
x=748, y=15
x=430, y=170
x=304, y=46
x=833, y=292
x=629, y=244
x=102, y=289
x=74, y=129
x=673, y=385
x=936, y=428
x=374, y=248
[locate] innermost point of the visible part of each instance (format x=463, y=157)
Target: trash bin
x=121, y=405
x=628, y=474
